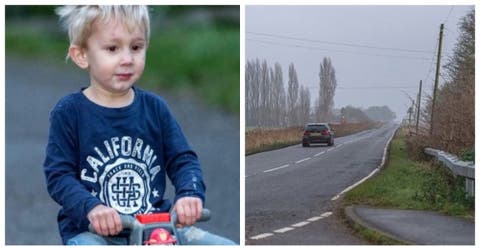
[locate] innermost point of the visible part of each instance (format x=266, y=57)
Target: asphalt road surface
x=32, y=89
x=290, y=193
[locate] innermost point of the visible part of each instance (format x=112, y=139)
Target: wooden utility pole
x=437, y=73
x=418, y=106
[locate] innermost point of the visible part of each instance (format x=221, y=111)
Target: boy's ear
x=78, y=56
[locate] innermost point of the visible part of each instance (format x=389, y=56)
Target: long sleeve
x=61, y=167
x=183, y=167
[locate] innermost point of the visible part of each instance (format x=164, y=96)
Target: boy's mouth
x=124, y=76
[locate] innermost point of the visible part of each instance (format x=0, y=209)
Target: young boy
x=112, y=144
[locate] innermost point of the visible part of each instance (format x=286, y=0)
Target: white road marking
x=385, y=150
x=261, y=236
x=321, y=153
x=330, y=149
x=315, y=218
x=326, y=214
x=339, y=145
x=283, y=230
x=274, y=169
x=371, y=174
x=302, y=160
x=354, y=185
x=301, y=224
x=292, y=227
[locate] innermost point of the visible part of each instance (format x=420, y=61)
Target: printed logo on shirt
x=124, y=186
x=128, y=166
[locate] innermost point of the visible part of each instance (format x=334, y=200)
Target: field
x=264, y=139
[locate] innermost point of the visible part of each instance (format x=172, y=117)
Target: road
x=32, y=89
x=290, y=192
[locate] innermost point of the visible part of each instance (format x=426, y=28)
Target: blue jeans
x=187, y=235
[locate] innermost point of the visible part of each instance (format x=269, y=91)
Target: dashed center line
x=302, y=160
x=292, y=227
x=261, y=236
x=301, y=224
x=321, y=153
x=326, y=214
x=283, y=230
x=273, y=169
x=315, y=218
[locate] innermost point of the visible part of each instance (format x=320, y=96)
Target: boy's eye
x=137, y=47
x=112, y=48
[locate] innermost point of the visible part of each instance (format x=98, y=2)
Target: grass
x=260, y=140
x=30, y=42
x=205, y=60
x=394, y=186
x=407, y=184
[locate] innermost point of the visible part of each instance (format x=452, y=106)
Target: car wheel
x=305, y=144
x=330, y=143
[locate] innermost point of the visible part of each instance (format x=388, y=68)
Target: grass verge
x=407, y=184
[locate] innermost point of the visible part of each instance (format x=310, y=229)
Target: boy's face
x=115, y=55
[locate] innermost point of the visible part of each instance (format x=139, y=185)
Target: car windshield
x=316, y=127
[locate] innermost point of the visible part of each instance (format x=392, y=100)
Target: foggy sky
x=304, y=35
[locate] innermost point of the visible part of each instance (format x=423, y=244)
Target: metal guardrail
x=457, y=166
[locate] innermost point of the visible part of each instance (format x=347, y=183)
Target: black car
x=317, y=133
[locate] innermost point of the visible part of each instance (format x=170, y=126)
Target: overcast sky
x=378, y=52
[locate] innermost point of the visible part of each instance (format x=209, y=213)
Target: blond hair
x=79, y=19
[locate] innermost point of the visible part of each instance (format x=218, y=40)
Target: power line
x=370, y=87
x=379, y=88
x=449, y=12
x=430, y=68
x=341, y=51
x=338, y=43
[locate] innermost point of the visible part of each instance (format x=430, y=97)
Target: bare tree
x=278, y=96
x=461, y=65
x=328, y=84
x=455, y=103
x=304, y=105
x=252, y=94
x=292, y=97
x=264, y=95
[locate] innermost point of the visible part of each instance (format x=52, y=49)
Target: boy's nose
x=127, y=58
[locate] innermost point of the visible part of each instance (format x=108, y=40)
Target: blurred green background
x=192, y=48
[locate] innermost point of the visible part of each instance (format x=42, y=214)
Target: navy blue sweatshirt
x=118, y=157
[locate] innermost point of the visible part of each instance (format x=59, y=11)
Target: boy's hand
x=189, y=210
x=105, y=220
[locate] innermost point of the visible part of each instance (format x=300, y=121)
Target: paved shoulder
x=415, y=227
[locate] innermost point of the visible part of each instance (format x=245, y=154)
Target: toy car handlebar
x=138, y=225
x=128, y=222
x=204, y=217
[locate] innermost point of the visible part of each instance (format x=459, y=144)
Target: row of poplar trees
x=270, y=104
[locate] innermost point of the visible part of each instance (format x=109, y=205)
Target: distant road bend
x=289, y=192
